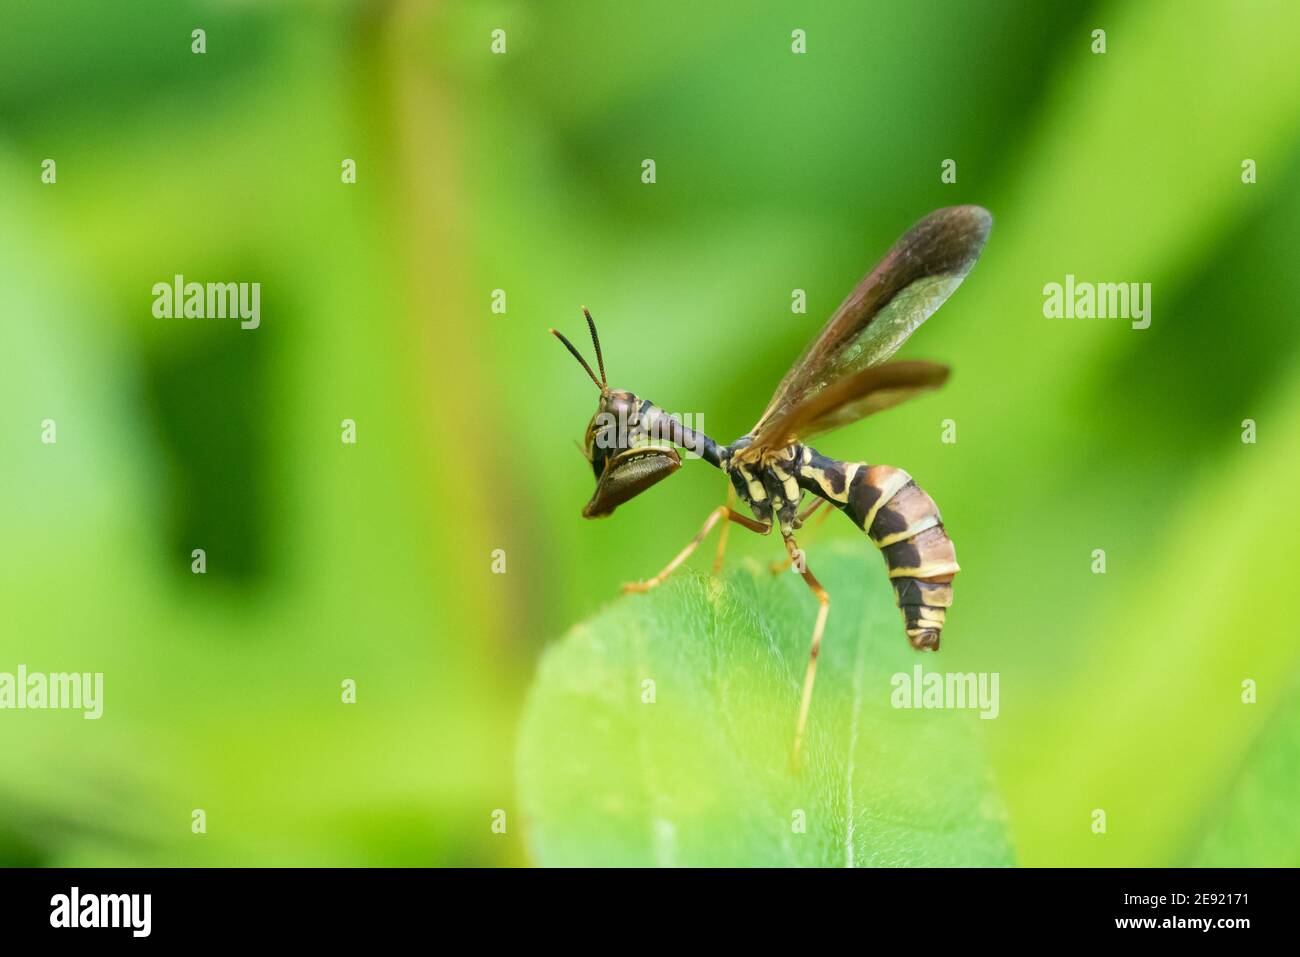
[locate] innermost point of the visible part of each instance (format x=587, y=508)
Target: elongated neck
x=671, y=428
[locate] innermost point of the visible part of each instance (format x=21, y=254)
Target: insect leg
x=778, y=567
x=824, y=605
x=721, y=512
x=726, y=527
x=803, y=516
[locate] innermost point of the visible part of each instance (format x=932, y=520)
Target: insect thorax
x=771, y=486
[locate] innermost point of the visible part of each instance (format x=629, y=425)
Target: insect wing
x=922, y=269
x=871, y=390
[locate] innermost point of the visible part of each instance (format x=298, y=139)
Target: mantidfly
x=841, y=377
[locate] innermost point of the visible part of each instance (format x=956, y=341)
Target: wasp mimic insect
x=841, y=377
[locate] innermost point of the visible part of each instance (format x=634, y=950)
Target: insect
x=841, y=377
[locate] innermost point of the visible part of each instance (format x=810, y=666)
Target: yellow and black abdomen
x=904, y=523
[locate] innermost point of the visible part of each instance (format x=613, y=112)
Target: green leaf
x=1256, y=824
x=699, y=775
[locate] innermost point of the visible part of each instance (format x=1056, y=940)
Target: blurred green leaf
x=1161, y=685
x=1256, y=825
x=698, y=776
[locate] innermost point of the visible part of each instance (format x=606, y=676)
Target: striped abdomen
x=904, y=523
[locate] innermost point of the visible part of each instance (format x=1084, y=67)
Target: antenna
x=595, y=341
x=578, y=355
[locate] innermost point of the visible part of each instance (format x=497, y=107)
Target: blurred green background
x=522, y=172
